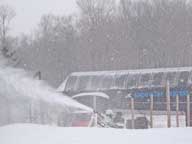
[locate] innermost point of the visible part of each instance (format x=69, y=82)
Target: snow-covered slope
x=34, y=134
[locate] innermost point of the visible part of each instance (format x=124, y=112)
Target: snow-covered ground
x=35, y=134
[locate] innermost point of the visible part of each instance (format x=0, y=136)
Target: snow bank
x=26, y=100
x=34, y=134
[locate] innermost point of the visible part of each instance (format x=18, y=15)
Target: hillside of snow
x=35, y=134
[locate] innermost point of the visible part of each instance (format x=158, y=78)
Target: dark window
x=183, y=78
x=145, y=79
x=71, y=83
x=171, y=77
x=132, y=80
x=83, y=82
x=157, y=79
x=95, y=83
x=120, y=81
x=190, y=77
x=107, y=81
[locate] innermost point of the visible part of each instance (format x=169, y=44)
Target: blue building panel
x=148, y=93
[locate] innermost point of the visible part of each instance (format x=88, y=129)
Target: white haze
x=26, y=100
x=29, y=12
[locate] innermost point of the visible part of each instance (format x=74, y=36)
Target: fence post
x=168, y=104
x=188, y=110
x=151, y=111
x=177, y=110
x=132, y=114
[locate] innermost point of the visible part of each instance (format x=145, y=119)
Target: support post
x=151, y=111
x=95, y=110
x=94, y=104
x=168, y=104
x=132, y=114
x=95, y=119
x=125, y=123
x=177, y=110
x=188, y=110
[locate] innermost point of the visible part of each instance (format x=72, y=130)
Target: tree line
x=108, y=35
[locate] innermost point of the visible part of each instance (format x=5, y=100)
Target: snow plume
x=25, y=100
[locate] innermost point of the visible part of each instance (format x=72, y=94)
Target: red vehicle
x=82, y=119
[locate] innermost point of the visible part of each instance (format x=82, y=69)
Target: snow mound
x=35, y=134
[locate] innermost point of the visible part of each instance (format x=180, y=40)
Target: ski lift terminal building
x=139, y=84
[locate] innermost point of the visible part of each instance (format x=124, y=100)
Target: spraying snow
x=25, y=100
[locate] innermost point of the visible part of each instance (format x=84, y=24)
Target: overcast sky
x=29, y=12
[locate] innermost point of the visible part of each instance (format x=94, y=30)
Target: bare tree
x=96, y=11
x=142, y=34
x=52, y=51
x=6, y=15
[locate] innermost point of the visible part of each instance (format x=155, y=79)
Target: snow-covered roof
x=98, y=94
x=136, y=71
x=126, y=79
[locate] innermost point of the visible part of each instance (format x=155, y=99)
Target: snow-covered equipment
x=94, y=95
